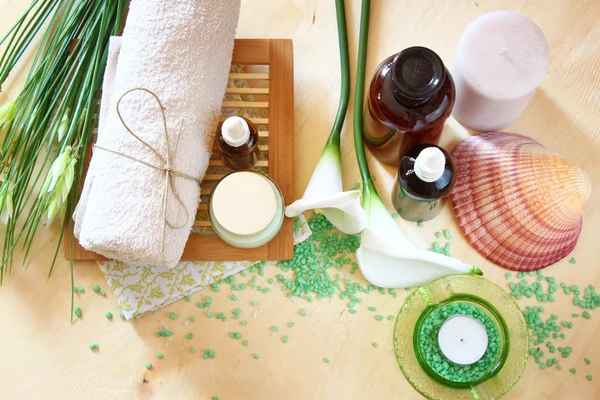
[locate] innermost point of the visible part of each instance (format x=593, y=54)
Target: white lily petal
x=324, y=191
x=388, y=259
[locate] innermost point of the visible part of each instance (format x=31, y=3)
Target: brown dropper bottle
x=238, y=143
x=425, y=178
x=411, y=95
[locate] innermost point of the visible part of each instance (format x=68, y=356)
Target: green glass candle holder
x=503, y=366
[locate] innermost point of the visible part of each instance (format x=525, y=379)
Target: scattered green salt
x=326, y=360
x=379, y=318
x=588, y=377
x=81, y=289
x=244, y=322
x=284, y=339
x=108, y=315
x=355, y=187
x=209, y=314
x=189, y=336
x=192, y=319
x=233, y=297
x=192, y=349
x=447, y=234
x=588, y=362
x=371, y=308
x=438, y=235
x=374, y=344
x=395, y=215
x=173, y=315
x=508, y=275
x=188, y=298
x=573, y=260
x=245, y=343
x=78, y=312
x=303, y=312
x=96, y=288
x=148, y=365
x=122, y=314
x=572, y=370
x=164, y=332
x=215, y=287
x=102, y=292
x=274, y=329
x=254, y=303
x=420, y=223
x=586, y=315
x=159, y=355
x=256, y=357
x=290, y=324
x=352, y=311
x=93, y=346
x=390, y=317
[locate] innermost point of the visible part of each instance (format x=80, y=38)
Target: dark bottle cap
x=417, y=74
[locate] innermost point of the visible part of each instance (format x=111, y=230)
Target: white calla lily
x=388, y=259
x=386, y=256
x=325, y=192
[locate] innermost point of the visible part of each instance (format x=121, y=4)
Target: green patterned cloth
x=139, y=290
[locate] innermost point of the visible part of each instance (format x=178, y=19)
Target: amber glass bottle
x=238, y=143
x=425, y=178
x=410, y=97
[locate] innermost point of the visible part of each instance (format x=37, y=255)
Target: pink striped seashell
x=517, y=203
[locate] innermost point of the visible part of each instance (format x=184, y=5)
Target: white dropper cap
x=430, y=164
x=235, y=131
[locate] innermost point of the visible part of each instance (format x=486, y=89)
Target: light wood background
x=43, y=356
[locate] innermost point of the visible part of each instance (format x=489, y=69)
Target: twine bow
x=168, y=170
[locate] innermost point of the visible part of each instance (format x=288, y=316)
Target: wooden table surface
x=43, y=356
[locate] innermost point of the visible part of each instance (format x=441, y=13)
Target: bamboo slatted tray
x=269, y=70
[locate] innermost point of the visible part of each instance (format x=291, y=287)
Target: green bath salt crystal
x=254, y=303
x=245, y=343
x=148, y=365
x=379, y=318
x=438, y=235
x=573, y=260
x=588, y=377
x=291, y=324
x=572, y=370
x=122, y=314
x=81, y=289
x=190, y=335
x=159, y=355
x=274, y=329
x=420, y=223
x=447, y=234
x=303, y=312
x=352, y=311
x=102, y=292
x=374, y=344
x=326, y=360
x=256, y=356
x=96, y=288
x=94, y=346
x=284, y=339
x=371, y=308
x=78, y=312
x=108, y=315
x=173, y=315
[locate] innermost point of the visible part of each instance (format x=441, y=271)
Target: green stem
x=334, y=137
x=359, y=93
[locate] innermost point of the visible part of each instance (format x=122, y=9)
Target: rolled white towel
x=181, y=51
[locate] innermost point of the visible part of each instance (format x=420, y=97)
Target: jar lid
x=244, y=203
x=417, y=73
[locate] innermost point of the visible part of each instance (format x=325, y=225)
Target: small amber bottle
x=238, y=143
x=425, y=178
x=410, y=97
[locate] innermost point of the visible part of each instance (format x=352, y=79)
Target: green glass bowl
x=496, y=304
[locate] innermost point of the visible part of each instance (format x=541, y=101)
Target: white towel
x=181, y=50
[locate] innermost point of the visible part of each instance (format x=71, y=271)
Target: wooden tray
x=271, y=91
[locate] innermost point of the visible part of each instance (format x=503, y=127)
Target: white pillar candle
x=501, y=59
x=462, y=339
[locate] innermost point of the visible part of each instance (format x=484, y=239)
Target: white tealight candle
x=501, y=59
x=463, y=340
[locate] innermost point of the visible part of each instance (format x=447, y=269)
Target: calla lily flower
x=324, y=190
x=386, y=257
